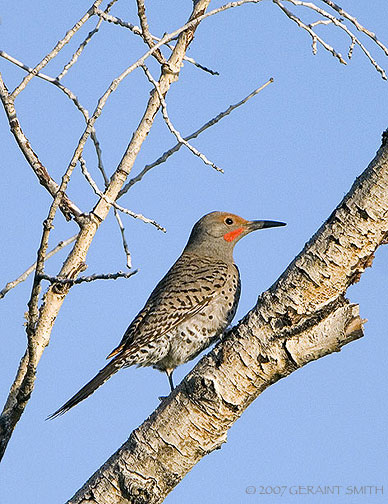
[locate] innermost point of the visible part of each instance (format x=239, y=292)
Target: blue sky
x=290, y=154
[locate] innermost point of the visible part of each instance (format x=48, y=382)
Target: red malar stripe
x=232, y=235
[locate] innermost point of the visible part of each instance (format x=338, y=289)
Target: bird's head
x=216, y=233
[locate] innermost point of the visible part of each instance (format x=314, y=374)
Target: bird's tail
x=101, y=377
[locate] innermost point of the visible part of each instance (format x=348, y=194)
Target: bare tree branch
x=82, y=46
x=359, y=26
x=302, y=317
x=56, y=49
x=147, y=37
x=171, y=127
x=113, y=203
x=196, y=133
x=91, y=278
x=24, y=276
x=67, y=207
x=342, y=26
x=315, y=38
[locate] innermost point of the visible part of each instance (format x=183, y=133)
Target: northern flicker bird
x=188, y=309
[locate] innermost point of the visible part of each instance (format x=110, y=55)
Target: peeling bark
x=302, y=317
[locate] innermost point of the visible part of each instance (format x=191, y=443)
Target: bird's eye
x=229, y=221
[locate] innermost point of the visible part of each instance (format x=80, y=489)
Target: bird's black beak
x=261, y=224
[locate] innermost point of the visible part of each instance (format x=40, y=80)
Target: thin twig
x=28, y=69
x=198, y=65
x=146, y=36
x=56, y=49
x=123, y=239
x=350, y=51
x=116, y=20
x=91, y=278
x=359, y=26
x=82, y=46
x=99, y=193
x=137, y=31
x=320, y=22
x=117, y=215
x=171, y=127
x=177, y=146
x=342, y=26
x=67, y=207
x=190, y=60
x=24, y=276
x=315, y=38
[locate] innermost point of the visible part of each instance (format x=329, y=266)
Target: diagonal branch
x=24, y=276
x=171, y=127
x=56, y=49
x=302, y=317
x=315, y=37
x=338, y=22
x=163, y=158
x=113, y=203
x=146, y=35
x=67, y=207
x=358, y=25
x=82, y=46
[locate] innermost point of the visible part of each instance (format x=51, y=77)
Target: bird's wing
x=190, y=284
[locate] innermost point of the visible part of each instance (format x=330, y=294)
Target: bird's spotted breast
x=192, y=336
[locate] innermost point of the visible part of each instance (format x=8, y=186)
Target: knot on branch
x=200, y=389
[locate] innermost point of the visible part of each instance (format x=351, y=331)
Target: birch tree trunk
x=302, y=317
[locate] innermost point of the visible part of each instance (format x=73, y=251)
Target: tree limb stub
x=301, y=318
